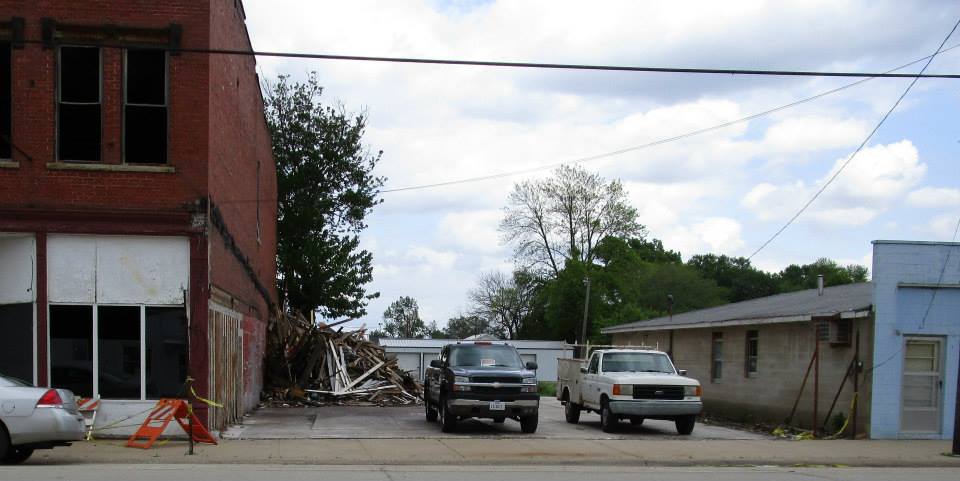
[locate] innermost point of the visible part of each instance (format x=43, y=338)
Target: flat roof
x=846, y=301
x=439, y=343
x=916, y=242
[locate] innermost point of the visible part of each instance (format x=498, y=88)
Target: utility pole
x=586, y=311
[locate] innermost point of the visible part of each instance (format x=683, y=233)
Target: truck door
x=436, y=375
x=590, y=391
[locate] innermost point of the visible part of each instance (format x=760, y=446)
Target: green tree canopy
x=464, y=326
x=325, y=190
x=741, y=280
x=796, y=278
x=402, y=319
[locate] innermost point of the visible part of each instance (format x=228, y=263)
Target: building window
x=716, y=357
x=133, y=352
x=16, y=343
x=750, y=356
x=78, y=104
x=6, y=148
x=145, y=107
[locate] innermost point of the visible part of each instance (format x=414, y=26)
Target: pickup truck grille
x=493, y=379
x=495, y=390
x=657, y=392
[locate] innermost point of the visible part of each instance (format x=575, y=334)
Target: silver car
x=35, y=418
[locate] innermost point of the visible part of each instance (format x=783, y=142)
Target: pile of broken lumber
x=311, y=363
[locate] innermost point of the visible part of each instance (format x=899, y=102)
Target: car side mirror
x=583, y=370
x=682, y=372
x=436, y=363
x=532, y=366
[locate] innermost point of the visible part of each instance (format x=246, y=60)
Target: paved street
x=463, y=473
x=347, y=422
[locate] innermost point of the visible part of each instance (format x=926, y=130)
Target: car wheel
x=571, y=411
x=528, y=424
x=448, y=420
x=17, y=455
x=499, y=420
x=685, y=424
x=636, y=420
x=608, y=420
x=430, y=411
x=4, y=442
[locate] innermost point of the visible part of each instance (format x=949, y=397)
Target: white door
x=921, y=406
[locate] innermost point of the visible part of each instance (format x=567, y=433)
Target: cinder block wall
x=784, y=352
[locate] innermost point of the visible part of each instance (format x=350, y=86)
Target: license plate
x=497, y=406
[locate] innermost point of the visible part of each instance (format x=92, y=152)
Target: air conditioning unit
x=837, y=332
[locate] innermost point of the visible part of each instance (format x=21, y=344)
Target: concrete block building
x=751, y=356
x=137, y=203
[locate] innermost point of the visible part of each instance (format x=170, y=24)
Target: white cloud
x=429, y=259
x=722, y=234
x=472, y=230
x=934, y=197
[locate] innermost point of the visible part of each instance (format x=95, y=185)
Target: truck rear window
x=485, y=355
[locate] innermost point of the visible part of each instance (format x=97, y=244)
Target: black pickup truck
x=481, y=380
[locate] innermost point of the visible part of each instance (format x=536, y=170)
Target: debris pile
x=313, y=364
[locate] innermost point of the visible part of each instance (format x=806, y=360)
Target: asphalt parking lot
x=360, y=422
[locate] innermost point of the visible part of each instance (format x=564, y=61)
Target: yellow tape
x=204, y=400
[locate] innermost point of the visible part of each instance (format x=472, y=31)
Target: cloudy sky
x=723, y=192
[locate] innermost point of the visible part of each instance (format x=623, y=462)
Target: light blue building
x=917, y=339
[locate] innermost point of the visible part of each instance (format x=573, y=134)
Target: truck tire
x=431, y=412
x=448, y=420
x=608, y=420
x=5, y=446
x=571, y=411
x=685, y=424
x=528, y=424
x=636, y=420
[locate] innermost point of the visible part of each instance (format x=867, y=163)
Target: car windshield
x=637, y=362
x=484, y=355
x=10, y=381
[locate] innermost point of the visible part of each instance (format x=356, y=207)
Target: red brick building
x=137, y=202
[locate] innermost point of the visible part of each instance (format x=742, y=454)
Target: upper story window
x=145, y=107
x=5, y=112
x=79, y=104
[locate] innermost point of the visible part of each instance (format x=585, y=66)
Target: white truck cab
x=633, y=384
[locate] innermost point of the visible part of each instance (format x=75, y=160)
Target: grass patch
x=547, y=388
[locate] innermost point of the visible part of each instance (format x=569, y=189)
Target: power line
x=656, y=142
x=860, y=148
x=528, y=65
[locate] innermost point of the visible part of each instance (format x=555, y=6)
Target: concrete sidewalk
x=516, y=451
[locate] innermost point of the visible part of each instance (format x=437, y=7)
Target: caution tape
x=196, y=396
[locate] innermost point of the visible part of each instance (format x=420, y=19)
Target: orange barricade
x=157, y=421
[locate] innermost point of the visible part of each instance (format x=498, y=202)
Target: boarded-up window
x=16, y=343
x=5, y=103
x=751, y=353
x=71, y=349
x=145, y=107
x=166, y=345
x=118, y=351
x=78, y=106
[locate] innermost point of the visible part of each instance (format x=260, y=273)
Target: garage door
x=410, y=362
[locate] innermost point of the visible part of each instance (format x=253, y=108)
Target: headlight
x=460, y=379
x=622, y=390
x=692, y=391
x=529, y=380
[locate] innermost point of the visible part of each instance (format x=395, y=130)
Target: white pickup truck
x=632, y=384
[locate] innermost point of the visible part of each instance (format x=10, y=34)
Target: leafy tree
x=741, y=280
x=795, y=278
x=462, y=327
x=564, y=217
x=504, y=301
x=325, y=190
x=434, y=332
x=402, y=319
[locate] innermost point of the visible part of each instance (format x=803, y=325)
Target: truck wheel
x=636, y=420
x=17, y=455
x=608, y=420
x=448, y=420
x=571, y=411
x=430, y=411
x=5, y=447
x=528, y=424
x=685, y=424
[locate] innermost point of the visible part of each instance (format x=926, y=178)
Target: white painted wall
x=18, y=273
x=118, y=269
